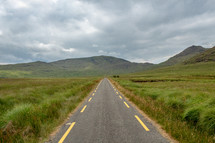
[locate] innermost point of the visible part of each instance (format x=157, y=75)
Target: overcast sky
x=138, y=30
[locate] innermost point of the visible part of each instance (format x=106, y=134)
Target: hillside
x=183, y=56
x=92, y=66
x=206, y=56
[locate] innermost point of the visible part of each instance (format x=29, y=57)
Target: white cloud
x=138, y=60
x=70, y=50
x=17, y=4
x=102, y=52
x=208, y=44
x=136, y=30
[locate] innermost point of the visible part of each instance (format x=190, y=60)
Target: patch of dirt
x=9, y=129
x=28, y=132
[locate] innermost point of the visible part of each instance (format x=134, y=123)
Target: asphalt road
x=107, y=117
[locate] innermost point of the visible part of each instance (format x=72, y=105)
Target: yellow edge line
x=144, y=126
x=84, y=108
x=89, y=99
x=120, y=97
x=126, y=104
x=66, y=133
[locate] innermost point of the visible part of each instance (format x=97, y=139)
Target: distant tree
x=116, y=76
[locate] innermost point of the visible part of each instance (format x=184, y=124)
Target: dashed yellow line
x=66, y=133
x=117, y=92
x=120, y=97
x=126, y=104
x=84, y=108
x=144, y=126
x=93, y=94
x=90, y=99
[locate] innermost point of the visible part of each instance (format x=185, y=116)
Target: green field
x=181, y=98
x=30, y=109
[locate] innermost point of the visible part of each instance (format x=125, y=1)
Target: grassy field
x=30, y=109
x=180, y=98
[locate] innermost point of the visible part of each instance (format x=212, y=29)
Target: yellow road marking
x=84, y=108
x=93, y=94
x=90, y=99
x=126, y=104
x=95, y=90
x=117, y=93
x=66, y=133
x=144, y=126
x=120, y=97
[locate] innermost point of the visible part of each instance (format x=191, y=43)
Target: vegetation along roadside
x=180, y=98
x=30, y=109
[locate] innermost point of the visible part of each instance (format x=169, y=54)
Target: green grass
x=181, y=98
x=14, y=74
x=30, y=109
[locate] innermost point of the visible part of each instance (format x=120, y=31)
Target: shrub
x=19, y=115
x=153, y=96
x=192, y=115
x=51, y=109
x=1, y=101
x=175, y=103
x=207, y=120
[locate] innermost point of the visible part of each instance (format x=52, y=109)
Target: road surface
x=107, y=117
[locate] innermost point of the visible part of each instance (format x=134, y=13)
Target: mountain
x=184, y=55
x=206, y=56
x=91, y=66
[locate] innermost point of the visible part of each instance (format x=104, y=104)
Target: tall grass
x=180, y=98
x=32, y=108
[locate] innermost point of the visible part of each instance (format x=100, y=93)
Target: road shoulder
x=154, y=123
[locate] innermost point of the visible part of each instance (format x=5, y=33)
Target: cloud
x=136, y=30
x=71, y=50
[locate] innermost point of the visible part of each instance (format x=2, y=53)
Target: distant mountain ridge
x=91, y=66
x=206, y=56
x=102, y=65
x=184, y=55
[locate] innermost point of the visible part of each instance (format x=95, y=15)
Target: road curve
x=107, y=117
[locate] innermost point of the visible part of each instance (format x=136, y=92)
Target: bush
x=175, y=103
x=207, y=120
x=153, y=96
x=51, y=109
x=19, y=116
x=116, y=76
x=192, y=115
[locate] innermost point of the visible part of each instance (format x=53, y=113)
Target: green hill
x=183, y=56
x=206, y=56
x=91, y=66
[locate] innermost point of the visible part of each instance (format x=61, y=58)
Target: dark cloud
x=137, y=30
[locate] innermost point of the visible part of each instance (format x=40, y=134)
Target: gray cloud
x=137, y=30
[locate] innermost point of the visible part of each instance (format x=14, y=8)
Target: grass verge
x=181, y=99
x=30, y=109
